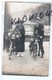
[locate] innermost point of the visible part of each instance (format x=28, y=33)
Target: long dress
x=20, y=42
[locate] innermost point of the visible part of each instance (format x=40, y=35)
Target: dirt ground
x=27, y=65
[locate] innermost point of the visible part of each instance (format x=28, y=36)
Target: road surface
x=27, y=65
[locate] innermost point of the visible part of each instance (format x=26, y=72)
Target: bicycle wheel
x=34, y=50
x=10, y=51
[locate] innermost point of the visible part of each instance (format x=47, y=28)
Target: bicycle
x=34, y=47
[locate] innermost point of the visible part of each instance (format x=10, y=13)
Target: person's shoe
x=18, y=55
x=38, y=54
x=30, y=53
x=21, y=55
x=9, y=58
x=42, y=56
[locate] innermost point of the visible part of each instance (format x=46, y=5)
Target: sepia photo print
x=26, y=39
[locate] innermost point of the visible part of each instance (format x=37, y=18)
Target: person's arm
x=42, y=34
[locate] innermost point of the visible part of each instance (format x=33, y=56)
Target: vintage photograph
x=26, y=39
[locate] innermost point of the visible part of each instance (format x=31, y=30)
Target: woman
x=20, y=40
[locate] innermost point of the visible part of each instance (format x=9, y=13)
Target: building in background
x=15, y=10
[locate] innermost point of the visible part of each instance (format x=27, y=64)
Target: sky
x=15, y=7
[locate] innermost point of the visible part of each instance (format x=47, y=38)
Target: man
x=40, y=29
